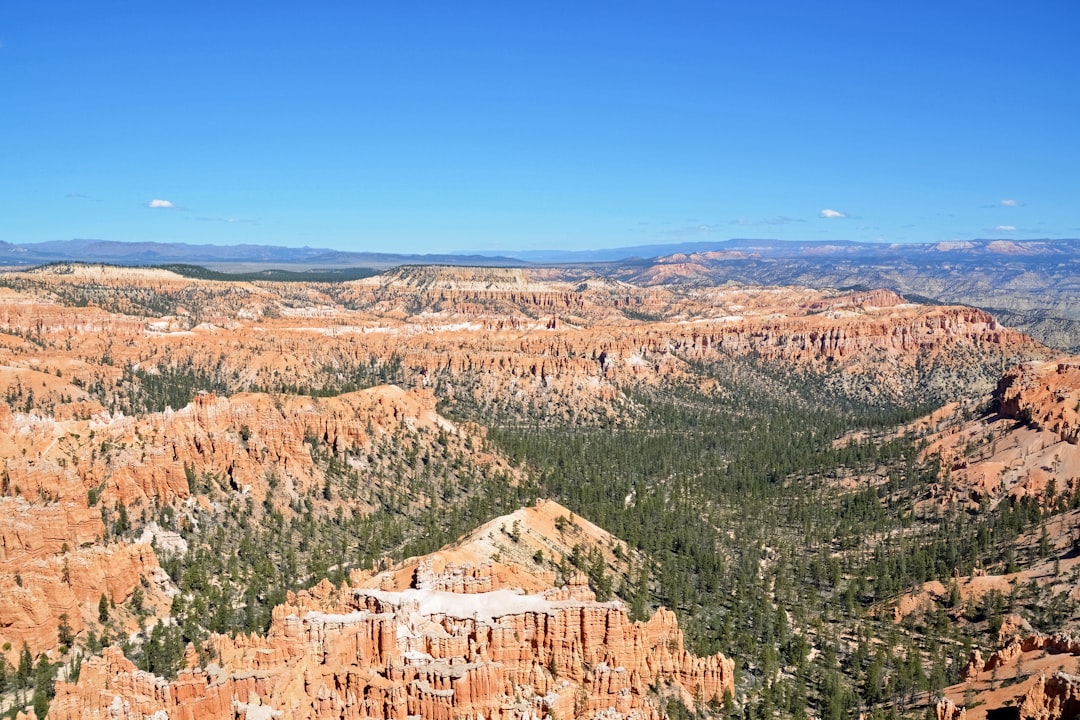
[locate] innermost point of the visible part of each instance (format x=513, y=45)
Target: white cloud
x=155, y=203
x=1005, y=228
x=831, y=214
x=1010, y=203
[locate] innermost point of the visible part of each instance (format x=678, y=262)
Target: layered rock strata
x=418, y=653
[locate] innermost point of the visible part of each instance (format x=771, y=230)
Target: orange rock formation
x=423, y=651
x=50, y=566
x=1045, y=394
x=1029, y=443
x=562, y=335
x=1052, y=698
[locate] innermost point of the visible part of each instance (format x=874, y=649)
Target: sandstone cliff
x=1026, y=675
x=50, y=567
x=232, y=443
x=1044, y=394
x=57, y=555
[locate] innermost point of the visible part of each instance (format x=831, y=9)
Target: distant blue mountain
x=153, y=253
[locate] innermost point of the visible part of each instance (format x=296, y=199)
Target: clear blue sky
x=459, y=126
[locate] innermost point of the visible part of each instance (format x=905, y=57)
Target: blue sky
x=431, y=127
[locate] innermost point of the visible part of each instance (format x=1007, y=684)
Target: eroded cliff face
x=1044, y=394
x=234, y=443
x=1025, y=678
x=1056, y=697
x=57, y=554
x=423, y=651
x=81, y=348
x=1025, y=446
x=946, y=709
x=53, y=569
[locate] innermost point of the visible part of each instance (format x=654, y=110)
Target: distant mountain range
x=1031, y=284
x=152, y=253
x=249, y=256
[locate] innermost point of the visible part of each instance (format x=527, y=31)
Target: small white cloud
x=831, y=214
x=1010, y=203
x=155, y=203
x=1006, y=228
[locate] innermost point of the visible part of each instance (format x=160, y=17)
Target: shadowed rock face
x=362, y=651
x=1044, y=394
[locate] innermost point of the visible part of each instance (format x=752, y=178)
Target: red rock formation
x=1006, y=655
x=365, y=652
x=50, y=566
x=1045, y=394
x=946, y=709
x=553, y=342
x=1053, y=698
x=975, y=665
x=52, y=562
x=546, y=334
x=1029, y=445
x=237, y=440
x=1015, y=646
x=35, y=532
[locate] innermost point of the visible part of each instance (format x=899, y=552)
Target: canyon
x=150, y=419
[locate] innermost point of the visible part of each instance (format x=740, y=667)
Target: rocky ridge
x=1030, y=285
x=80, y=351
x=361, y=651
x=237, y=441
